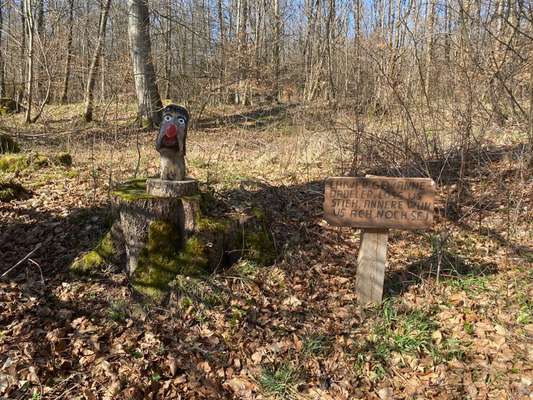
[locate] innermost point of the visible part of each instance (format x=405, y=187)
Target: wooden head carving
x=171, y=142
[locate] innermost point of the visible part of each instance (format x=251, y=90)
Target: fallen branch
x=21, y=261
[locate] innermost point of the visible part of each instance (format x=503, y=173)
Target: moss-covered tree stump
x=167, y=237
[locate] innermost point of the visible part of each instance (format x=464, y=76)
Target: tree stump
x=162, y=238
x=145, y=216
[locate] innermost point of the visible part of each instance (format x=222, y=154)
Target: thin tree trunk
x=242, y=51
x=277, y=50
x=222, y=31
x=329, y=38
x=29, y=59
x=91, y=80
x=148, y=98
x=24, y=34
x=2, y=82
x=430, y=22
x=38, y=75
x=68, y=60
x=168, y=52
x=530, y=130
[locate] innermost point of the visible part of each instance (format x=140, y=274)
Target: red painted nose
x=171, y=131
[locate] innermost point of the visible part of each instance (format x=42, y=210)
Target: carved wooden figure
x=171, y=142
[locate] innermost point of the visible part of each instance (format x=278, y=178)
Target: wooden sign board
x=379, y=202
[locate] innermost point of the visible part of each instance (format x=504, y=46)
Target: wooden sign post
x=376, y=204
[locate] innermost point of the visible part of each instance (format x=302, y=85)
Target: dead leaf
x=292, y=301
x=385, y=393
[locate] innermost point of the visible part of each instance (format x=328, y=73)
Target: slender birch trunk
x=148, y=98
x=29, y=58
x=91, y=80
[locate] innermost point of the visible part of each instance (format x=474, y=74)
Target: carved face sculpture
x=173, y=130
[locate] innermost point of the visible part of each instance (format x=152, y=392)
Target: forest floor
x=292, y=330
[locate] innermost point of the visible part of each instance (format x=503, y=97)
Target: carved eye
x=167, y=118
x=181, y=121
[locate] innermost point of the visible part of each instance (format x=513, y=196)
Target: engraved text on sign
x=379, y=202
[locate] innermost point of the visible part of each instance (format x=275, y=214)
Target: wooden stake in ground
x=371, y=264
x=376, y=204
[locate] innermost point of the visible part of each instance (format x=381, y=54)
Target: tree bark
x=148, y=98
x=168, y=52
x=68, y=60
x=29, y=58
x=430, y=22
x=222, y=43
x=2, y=83
x=91, y=79
x=277, y=48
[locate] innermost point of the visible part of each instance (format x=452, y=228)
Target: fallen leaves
x=301, y=313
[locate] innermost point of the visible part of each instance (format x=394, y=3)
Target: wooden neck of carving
x=172, y=165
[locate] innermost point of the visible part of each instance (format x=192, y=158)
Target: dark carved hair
x=177, y=109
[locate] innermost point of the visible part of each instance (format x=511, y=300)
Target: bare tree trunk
x=530, y=130
x=38, y=73
x=222, y=32
x=2, y=82
x=329, y=32
x=68, y=61
x=168, y=53
x=148, y=98
x=430, y=22
x=24, y=34
x=29, y=59
x=242, y=52
x=91, y=80
x=277, y=45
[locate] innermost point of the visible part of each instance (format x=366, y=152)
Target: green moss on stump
x=160, y=260
x=10, y=190
x=212, y=224
x=103, y=254
x=258, y=246
x=132, y=190
x=8, y=145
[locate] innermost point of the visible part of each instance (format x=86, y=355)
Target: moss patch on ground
x=104, y=253
x=160, y=261
x=10, y=190
x=20, y=162
x=14, y=162
x=64, y=159
x=8, y=145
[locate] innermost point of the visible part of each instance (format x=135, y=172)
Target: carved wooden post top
x=171, y=142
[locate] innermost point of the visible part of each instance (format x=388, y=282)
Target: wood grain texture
x=371, y=265
x=379, y=202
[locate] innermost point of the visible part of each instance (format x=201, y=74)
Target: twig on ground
x=22, y=260
x=38, y=266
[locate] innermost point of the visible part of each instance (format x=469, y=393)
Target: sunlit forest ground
x=291, y=330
